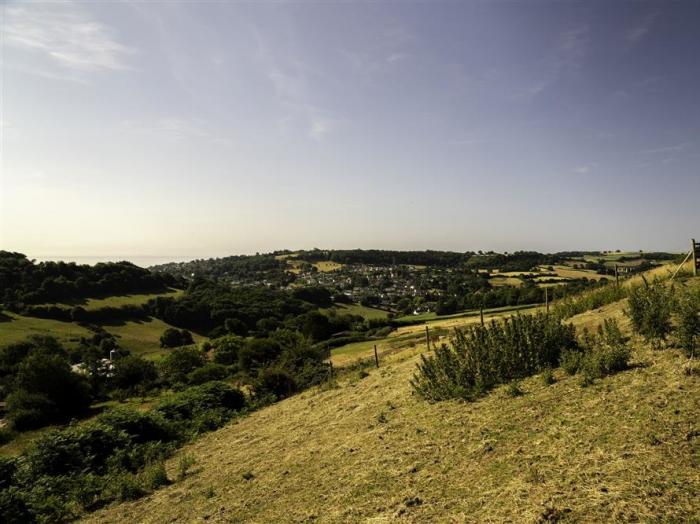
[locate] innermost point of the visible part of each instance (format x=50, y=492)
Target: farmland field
x=143, y=338
x=129, y=300
x=18, y=327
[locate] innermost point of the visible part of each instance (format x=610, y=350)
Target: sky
x=199, y=129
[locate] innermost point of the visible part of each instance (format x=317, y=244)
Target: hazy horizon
x=134, y=129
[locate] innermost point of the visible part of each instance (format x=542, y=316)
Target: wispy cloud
x=640, y=28
x=677, y=148
x=293, y=83
x=567, y=57
x=66, y=35
x=176, y=128
x=582, y=170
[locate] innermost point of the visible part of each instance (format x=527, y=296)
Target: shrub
x=204, y=407
x=154, y=476
x=226, y=349
x=132, y=371
x=572, y=305
x=207, y=373
x=548, y=377
x=688, y=331
x=602, y=354
x=650, y=309
x=277, y=382
x=570, y=361
x=140, y=427
x=482, y=357
x=172, y=338
x=177, y=364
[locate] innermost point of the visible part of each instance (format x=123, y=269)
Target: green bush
x=572, y=305
x=649, y=309
x=140, y=427
x=177, y=364
x=207, y=373
x=226, y=349
x=601, y=354
x=482, y=357
x=277, y=382
x=46, y=391
x=571, y=360
x=688, y=319
x=202, y=408
x=172, y=338
x=132, y=371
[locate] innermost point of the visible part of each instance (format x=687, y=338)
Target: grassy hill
x=139, y=337
x=626, y=448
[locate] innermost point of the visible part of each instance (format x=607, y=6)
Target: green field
x=143, y=338
x=369, y=313
x=19, y=327
x=129, y=300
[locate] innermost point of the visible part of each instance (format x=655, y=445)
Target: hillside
x=626, y=448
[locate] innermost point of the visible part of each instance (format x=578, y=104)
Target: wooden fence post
x=546, y=299
x=376, y=356
x=617, y=276
x=427, y=337
x=695, y=257
x=481, y=312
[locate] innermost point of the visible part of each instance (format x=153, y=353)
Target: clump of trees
x=481, y=357
x=117, y=457
x=23, y=281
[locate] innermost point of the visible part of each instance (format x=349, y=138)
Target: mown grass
x=128, y=300
x=16, y=328
x=368, y=313
x=625, y=448
x=143, y=338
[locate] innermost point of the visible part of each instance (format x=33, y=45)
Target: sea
x=139, y=260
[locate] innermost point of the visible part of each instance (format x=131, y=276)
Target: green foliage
x=118, y=457
x=46, y=391
x=207, y=373
x=601, y=354
x=571, y=305
x=184, y=465
x=482, y=357
x=548, y=377
x=650, y=307
x=688, y=320
x=140, y=427
x=202, y=408
x=276, y=382
x=172, y=338
x=226, y=349
x=132, y=371
x=571, y=360
x=180, y=362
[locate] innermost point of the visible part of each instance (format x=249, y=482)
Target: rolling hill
x=626, y=448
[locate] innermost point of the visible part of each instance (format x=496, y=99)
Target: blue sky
x=205, y=129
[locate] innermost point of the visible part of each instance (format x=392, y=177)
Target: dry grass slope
x=624, y=449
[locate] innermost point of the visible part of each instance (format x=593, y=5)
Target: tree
x=172, y=338
x=180, y=362
x=46, y=391
x=132, y=371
